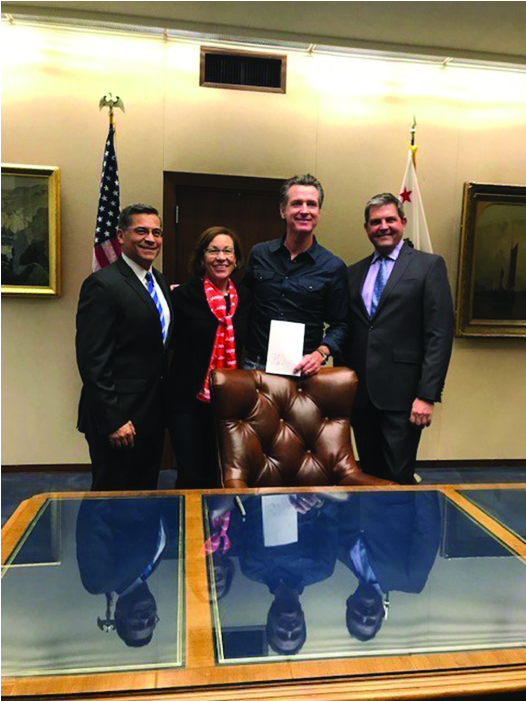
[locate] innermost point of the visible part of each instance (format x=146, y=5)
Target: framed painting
x=30, y=231
x=491, y=292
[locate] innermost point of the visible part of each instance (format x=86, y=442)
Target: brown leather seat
x=276, y=431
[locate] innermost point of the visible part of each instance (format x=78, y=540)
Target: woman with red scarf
x=209, y=320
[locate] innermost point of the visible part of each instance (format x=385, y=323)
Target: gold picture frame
x=491, y=291
x=30, y=231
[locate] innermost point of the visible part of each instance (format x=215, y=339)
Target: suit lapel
x=403, y=260
x=133, y=281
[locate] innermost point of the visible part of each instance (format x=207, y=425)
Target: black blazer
x=118, y=538
x=403, y=351
x=120, y=352
x=195, y=329
x=400, y=531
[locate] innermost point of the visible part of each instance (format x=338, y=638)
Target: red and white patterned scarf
x=224, y=350
x=219, y=535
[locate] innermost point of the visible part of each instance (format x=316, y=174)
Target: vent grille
x=242, y=70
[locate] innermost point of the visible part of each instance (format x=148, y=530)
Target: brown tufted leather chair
x=276, y=431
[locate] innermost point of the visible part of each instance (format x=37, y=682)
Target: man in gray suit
x=401, y=333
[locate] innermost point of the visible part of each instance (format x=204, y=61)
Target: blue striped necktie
x=155, y=297
x=379, y=283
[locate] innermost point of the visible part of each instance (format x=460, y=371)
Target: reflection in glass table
x=505, y=505
x=309, y=576
x=96, y=585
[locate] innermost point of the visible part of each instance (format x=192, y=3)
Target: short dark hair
x=308, y=180
x=195, y=265
x=128, y=212
x=382, y=199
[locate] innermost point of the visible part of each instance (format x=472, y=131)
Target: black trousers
x=194, y=444
x=387, y=443
x=124, y=469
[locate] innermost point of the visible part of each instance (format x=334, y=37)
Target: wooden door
x=194, y=202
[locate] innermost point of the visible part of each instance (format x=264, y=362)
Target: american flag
x=106, y=247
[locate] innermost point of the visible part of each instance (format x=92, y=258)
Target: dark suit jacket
x=118, y=538
x=120, y=352
x=401, y=533
x=196, y=328
x=403, y=352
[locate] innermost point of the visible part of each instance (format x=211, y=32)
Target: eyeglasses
x=143, y=231
x=215, y=252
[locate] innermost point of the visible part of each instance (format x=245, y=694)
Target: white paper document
x=280, y=520
x=285, y=347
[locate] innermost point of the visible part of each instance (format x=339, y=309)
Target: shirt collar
x=312, y=251
x=137, y=269
x=392, y=256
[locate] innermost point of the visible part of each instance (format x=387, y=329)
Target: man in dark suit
x=123, y=330
x=401, y=332
x=393, y=552
x=120, y=543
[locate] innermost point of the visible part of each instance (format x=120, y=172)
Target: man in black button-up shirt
x=296, y=279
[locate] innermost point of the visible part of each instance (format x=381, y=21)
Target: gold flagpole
x=413, y=148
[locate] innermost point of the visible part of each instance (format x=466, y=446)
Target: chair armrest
x=235, y=484
x=360, y=479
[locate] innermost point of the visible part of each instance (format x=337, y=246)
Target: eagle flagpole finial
x=108, y=100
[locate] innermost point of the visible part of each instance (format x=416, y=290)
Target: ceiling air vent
x=242, y=70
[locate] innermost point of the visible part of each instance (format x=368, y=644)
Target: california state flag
x=411, y=200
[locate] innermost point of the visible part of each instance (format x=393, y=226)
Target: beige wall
x=344, y=119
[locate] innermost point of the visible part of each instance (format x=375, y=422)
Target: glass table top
x=99, y=585
x=96, y=585
x=377, y=573
x=508, y=506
